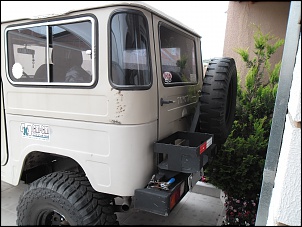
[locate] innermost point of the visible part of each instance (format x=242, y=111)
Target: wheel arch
x=37, y=164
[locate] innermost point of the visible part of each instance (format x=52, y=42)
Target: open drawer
x=185, y=152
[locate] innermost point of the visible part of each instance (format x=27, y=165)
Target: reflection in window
x=53, y=53
x=71, y=53
x=27, y=52
x=129, y=50
x=177, y=57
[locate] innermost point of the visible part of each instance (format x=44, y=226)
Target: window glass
x=68, y=47
x=130, y=50
x=71, y=52
x=27, y=53
x=178, y=62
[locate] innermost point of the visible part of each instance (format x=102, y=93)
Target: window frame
x=54, y=22
x=182, y=33
x=148, y=50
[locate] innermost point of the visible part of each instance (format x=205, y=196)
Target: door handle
x=162, y=101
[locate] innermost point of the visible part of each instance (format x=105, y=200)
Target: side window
x=71, y=52
x=178, y=62
x=129, y=51
x=51, y=54
x=27, y=53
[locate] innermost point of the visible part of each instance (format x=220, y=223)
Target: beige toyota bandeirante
x=104, y=103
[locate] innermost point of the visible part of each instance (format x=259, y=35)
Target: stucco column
x=285, y=206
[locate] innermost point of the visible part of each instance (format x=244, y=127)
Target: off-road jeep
x=105, y=103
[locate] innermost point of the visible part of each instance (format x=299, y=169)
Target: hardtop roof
x=100, y=4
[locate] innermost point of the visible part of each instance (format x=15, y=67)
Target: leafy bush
x=238, y=167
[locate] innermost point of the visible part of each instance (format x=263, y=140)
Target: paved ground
x=201, y=207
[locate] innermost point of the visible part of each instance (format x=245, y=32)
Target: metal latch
x=162, y=101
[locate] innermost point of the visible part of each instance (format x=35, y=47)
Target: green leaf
x=238, y=167
x=243, y=53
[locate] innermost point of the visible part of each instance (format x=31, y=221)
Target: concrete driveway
x=203, y=206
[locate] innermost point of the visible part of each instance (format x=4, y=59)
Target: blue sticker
x=35, y=131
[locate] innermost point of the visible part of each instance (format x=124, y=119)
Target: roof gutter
x=138, y=4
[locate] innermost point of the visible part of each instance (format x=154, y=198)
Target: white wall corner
x=285, y=204
x=294, y=104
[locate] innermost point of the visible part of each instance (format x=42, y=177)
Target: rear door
x=178, y=77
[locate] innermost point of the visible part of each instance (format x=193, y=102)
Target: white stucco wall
x=294, y=104
x=285, y=207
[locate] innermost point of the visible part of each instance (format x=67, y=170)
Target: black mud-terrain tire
x=64, y=198
x=218, y=98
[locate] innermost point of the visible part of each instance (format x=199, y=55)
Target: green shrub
x=238, y=167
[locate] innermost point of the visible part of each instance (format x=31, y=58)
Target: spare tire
x=218, y=98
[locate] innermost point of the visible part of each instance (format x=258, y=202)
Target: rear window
x=52, y=53
x=130, y=66
x=178, y=61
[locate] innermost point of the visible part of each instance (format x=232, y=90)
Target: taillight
x=175, y=197
x=205, y=145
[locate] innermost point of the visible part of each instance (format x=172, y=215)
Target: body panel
x=4, y=155
x=109, y=132
x=105, y=130
x=110, y=154
x=182, y=98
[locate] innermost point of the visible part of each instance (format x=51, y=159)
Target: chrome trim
x=63, y=21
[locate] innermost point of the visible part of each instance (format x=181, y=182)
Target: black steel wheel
x=64, y=198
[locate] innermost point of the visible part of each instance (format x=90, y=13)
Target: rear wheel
x=218, y=98
x=64, y=198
